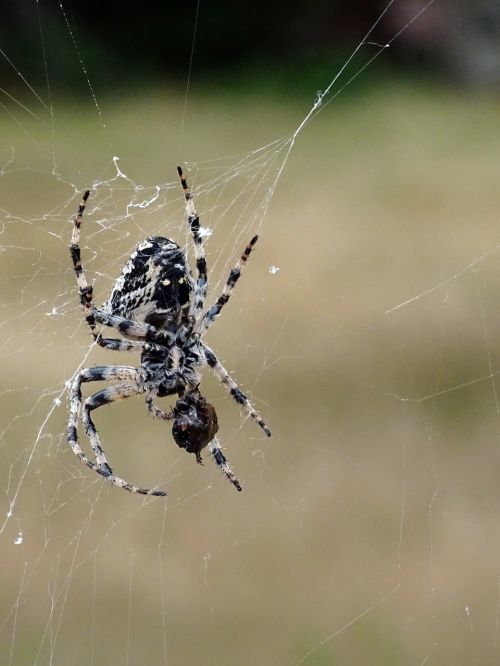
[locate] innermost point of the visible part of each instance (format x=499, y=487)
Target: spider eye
x=195, y=423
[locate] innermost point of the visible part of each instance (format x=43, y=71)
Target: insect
x=159, y=309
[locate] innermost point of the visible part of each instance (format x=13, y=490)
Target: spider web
x=367, y=341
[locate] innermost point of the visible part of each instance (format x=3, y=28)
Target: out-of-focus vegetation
x=123, y=45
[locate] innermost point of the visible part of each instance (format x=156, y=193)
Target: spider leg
x=85, y=290
x=128, y=345
x=104, y=397
x=232, y=387
x=201, y=263
x=209, y=317
x=220, y=461
x=134, y=330
x=123, y=373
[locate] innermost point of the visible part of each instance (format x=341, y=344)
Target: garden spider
x=158, y=307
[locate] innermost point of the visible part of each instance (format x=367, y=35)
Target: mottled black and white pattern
x=159, y=309
x=155, y=285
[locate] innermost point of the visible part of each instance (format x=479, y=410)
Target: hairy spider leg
x=104, y=397
x=85, y=290
x=232, y=387
x=209, y=317
x=134, y=330
x=129, y=345
x=220, y=460
x=201, y=264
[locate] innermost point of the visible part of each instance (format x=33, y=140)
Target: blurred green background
x=367, y=532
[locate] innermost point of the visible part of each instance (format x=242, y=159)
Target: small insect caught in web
x=159, y=308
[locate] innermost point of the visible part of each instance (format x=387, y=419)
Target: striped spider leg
x=210, y=316
x=131, y=383
x=201, y=264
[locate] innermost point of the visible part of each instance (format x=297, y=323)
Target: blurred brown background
x=367, y=531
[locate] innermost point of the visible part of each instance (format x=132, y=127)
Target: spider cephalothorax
x=158, y=308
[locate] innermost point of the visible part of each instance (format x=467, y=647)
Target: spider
x=159, y=308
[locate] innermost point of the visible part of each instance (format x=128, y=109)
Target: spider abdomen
x=155, y=284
